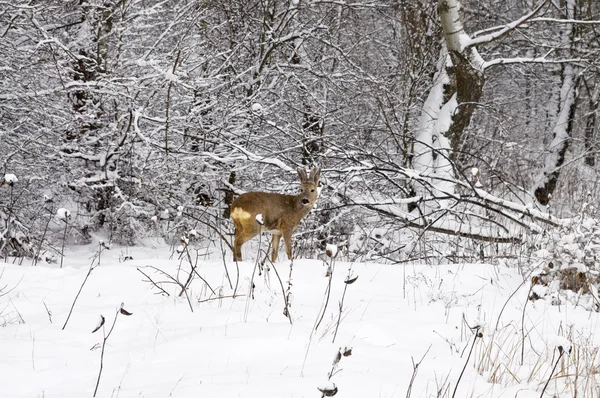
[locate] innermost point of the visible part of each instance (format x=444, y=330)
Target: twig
x=225, y=265
x=92, y=267
x=348, y=281
x=220, y=297
x=328, y=292
x=203, y=280
x=162, y=291
x=37, y=256
x=561, y=352
x=48, y=311
x=477, y=335
x=285, y=298
x=523, y=325
x=286, y=310
x=191, y=274
x=330, y=391
x=525, y=279
x=105, y=338
x=193, y=271
x=62, y=250
x=174, y=280
x=415, y=370
x=251, y=287
x=218, y=231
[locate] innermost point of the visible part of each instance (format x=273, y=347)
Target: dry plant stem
x=337, y=325
x=2, y=289
x=466, y=362
x=62, y=250
x=106, y=336
x=251, y=287
x=225, y=265
x=562, y=351
x=510, y=297
x=334, y=365
x=415, y=371
x=175, y=281
x=217, y=230
x=286, y=310
x=22, y=320
x=48, y=311
x=442, y=389
x=6, y=239
x=191, y=274
x=328, y=292
x=523, y=326
x=193, y=271
x=317, y=321
x=92, y=267
x=237, y=278
x=219, y=298
x=162, y=291
x=204, y=280
x=285, y=302
x=37, y=256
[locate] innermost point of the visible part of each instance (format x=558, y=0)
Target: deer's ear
x=315, y=174
x=302, y=174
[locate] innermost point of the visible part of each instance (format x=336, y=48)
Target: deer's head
x=308, y=186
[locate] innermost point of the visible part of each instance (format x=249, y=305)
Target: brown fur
x=281, y=214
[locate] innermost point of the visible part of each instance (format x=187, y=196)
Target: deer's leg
x=237, y=245
x=240, y=237
x=275, y=244
x=287, y=239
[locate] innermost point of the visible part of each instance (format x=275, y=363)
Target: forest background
x=445, y=130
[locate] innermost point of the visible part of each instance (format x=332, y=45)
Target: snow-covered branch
x=525, y=60
x=502, y=30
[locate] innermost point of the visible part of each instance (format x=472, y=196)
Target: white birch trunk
x=431, y=149
x=442, y=121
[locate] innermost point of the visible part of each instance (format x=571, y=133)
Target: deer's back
x=274, y=207
x=264, y=202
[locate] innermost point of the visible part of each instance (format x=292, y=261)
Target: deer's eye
x=312, y=190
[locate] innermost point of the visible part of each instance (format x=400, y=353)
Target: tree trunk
x=590, y=128
x=467, y=67
x=454, y=96
x=563, y=127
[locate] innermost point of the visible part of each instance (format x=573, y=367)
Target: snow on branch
x=503, y=31
x=525, y=60
x=523, y=215
x=571, y=21
x=447, y=226
x=262, y=159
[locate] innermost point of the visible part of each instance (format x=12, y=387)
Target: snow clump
x=10, y=179
x=257, y=108
x=63, y=214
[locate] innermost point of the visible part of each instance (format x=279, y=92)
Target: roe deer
x=281, y=214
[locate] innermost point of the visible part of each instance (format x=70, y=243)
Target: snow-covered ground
x=392, y=316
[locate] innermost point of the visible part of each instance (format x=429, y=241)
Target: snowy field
x=393, y=317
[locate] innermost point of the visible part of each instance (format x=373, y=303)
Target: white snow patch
x=259, y=219
x=245, y=346
x=257, y=108
x=63, y=214
x=331, y=250
x=10, y=179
